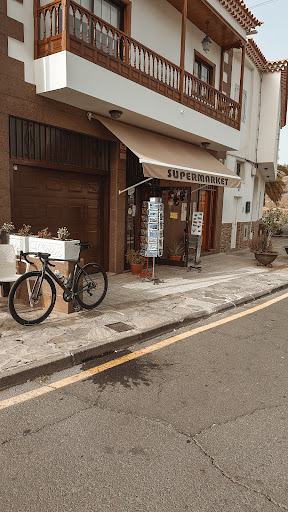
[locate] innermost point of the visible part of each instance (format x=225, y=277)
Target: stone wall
x=225, y=241
x=255, y=226
x=226, y=232
x=240, y=242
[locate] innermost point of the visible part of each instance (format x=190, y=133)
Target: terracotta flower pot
x=175, y=258
x=266, y=258
x=136, y=268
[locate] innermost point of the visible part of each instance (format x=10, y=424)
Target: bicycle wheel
x=30, y=302
x=91, y=285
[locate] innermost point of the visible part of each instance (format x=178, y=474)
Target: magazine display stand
x=152, y=226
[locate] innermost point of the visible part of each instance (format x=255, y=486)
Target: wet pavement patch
x=119, y=327
x=130, y=375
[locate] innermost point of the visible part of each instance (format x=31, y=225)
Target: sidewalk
x=134, y=310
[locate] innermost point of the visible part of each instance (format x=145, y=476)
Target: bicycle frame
x=70, y=291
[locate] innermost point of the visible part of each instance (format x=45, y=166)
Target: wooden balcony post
x=241, y=81
x=182, y=54
x=221, y=70
x=65, y=25
x=36, y=27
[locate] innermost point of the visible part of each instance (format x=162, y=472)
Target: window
x=109, y=12
x=240, y=171
x=244, y=101
x=112, y=13
x=203, y=71
x=47, y=144
x=245, y=234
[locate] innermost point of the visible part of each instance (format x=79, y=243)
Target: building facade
x=263, y=115
x=67, y=66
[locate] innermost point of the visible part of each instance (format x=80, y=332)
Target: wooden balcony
x=65, y=25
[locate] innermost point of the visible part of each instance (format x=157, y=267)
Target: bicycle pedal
x=76, y=307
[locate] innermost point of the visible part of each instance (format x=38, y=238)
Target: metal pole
x=133, y=186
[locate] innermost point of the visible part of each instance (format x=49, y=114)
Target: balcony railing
x=65, y=25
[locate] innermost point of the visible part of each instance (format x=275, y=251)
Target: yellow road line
x=24, y=397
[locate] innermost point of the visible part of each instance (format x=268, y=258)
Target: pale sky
x=272, y=41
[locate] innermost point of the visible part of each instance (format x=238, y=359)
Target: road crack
x=237, y=482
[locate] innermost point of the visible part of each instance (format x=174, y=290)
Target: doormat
x=119, y=327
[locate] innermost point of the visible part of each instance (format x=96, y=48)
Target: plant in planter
x=61, y=248
x=176, y=251
x=273, y=220
x=262, y=247
x=20, y=240
x=8, y=227
x=25, y=230
x=44, y=233
x=63, y=234
x=136, y=261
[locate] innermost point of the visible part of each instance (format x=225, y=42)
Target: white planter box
x=59, y=249
x=20, y=243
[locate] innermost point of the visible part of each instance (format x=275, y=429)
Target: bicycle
x=30, y=305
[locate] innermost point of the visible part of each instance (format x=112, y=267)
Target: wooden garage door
x=53, y=199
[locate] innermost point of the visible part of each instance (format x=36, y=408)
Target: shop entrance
x=179, y=203
x=207, y=199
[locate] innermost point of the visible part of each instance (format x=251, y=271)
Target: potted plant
x=261, y=245
x=62, y=247
x=45, y=233
x=20, y=240
x=8, y=228
x=176, y=251
x=136, y=261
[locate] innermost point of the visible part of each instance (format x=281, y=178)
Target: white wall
x=78, y=82
x=194, y=36
x=247, y=153
x=157, y=24
x=270, y=119
x=245, y=193
x=16, y=49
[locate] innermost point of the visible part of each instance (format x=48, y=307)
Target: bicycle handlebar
x=45, y=255
x=40, y=255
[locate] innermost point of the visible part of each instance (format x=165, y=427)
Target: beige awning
x=170, y=159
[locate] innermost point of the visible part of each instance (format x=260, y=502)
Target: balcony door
x=205, y=71
x=109, y=12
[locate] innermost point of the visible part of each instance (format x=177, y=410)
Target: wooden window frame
x=126, y=5
x=198, y=56
x=127, y=8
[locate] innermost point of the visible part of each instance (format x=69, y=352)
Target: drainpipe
x=257, y=138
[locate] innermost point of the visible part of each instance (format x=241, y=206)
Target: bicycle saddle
x=84, y=246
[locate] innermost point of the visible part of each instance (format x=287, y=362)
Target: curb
x=51, y=365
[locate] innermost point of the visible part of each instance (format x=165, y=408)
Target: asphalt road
x=199, y=425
